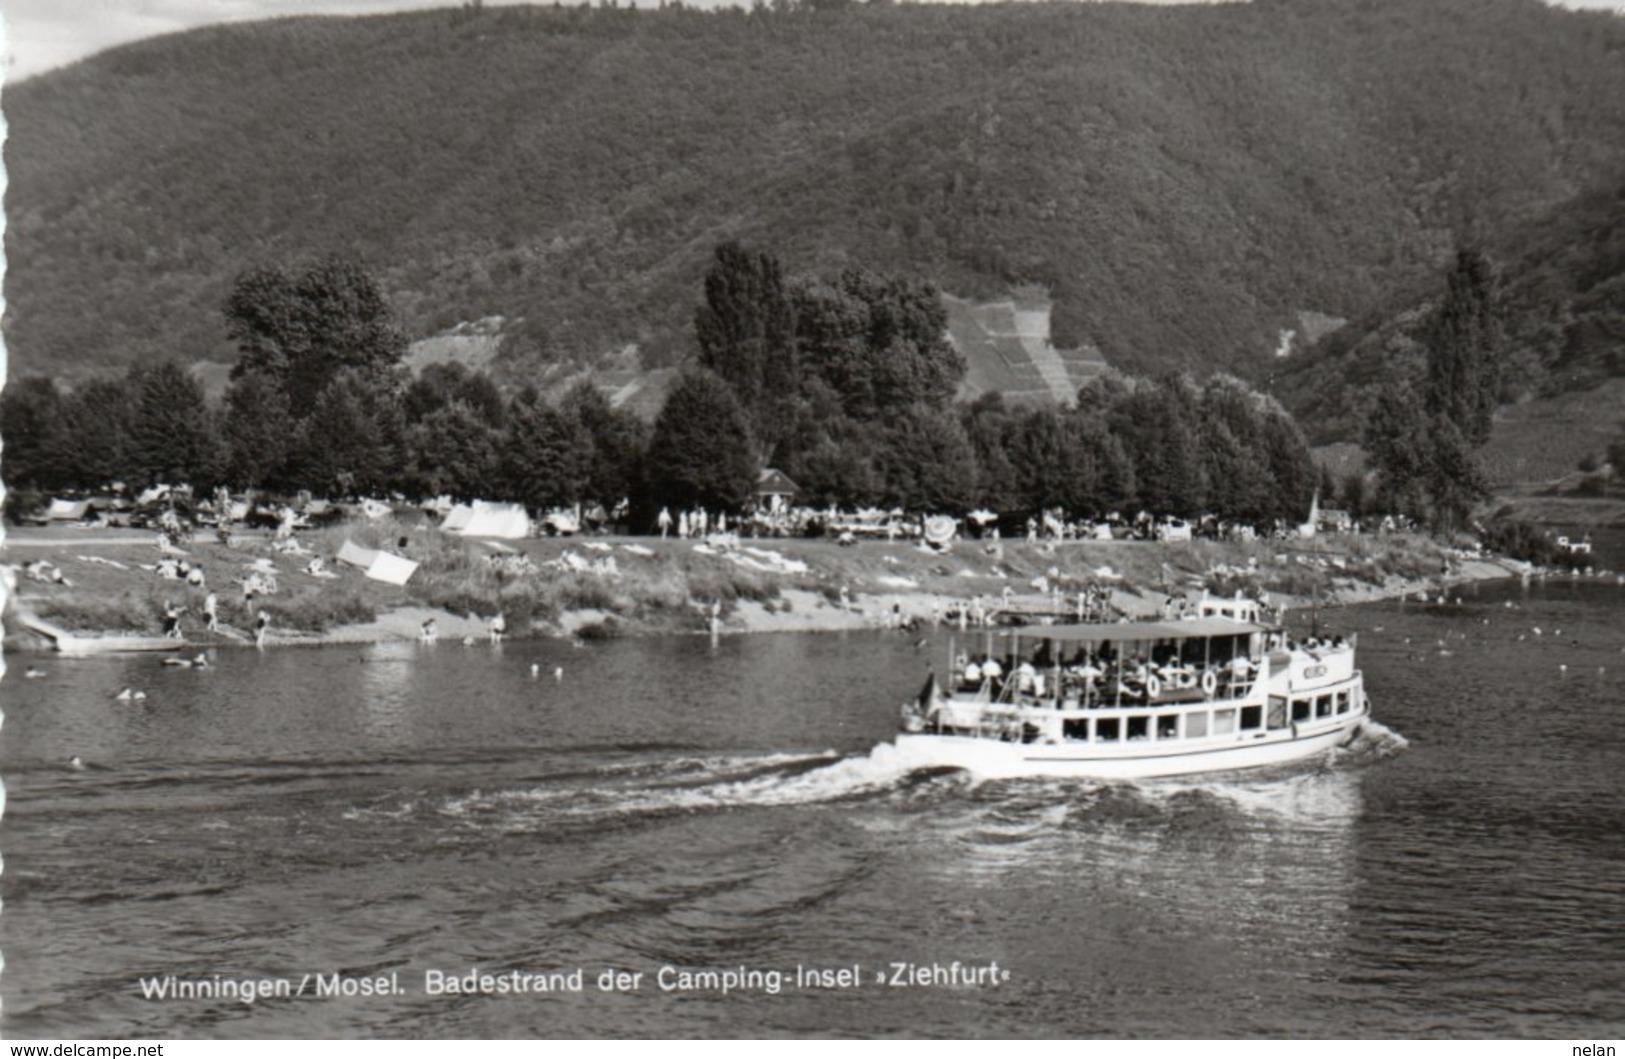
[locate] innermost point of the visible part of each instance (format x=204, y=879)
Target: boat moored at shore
x=1218, y=691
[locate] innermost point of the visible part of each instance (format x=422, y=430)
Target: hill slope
x=1562, y=362
x=1183, y=180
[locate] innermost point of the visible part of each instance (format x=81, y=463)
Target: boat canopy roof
x=1132, y=631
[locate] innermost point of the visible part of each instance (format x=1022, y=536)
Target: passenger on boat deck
x=1024, y=677
x=992, y=670
x=973, y=676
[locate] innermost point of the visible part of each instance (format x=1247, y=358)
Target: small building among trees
x=775, y=491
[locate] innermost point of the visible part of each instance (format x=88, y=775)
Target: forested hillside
x=1560, y=310
x=1184, y=180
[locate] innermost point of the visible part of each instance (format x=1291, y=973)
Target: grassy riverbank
x=615, y=586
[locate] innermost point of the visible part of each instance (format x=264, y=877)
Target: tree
x=438, y=385
x=746, y=332
x=1156, y=425
x=31, y=424
x=258, y=432
x=1464, y=346
x=1425, y=465
x=96, y=432
x=352, y=438
x=171, y=435
x=1289, y=467
x=452, y=450
x=615, y=441
x=1454, y=479
x=1103, y=476
x=1040, y=450
x=878, y=341
x=927, y=462
x=1233, y=450
x=700, y=450
x=304, y=330
x=547, y=455
x=1397, y=443
x=1617, y=455
x=987, y=423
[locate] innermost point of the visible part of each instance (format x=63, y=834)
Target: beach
x=609, y=586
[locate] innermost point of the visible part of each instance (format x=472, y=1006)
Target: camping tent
x=380, y=566
x=490, y=519
x=457, y=518
x=69, y=510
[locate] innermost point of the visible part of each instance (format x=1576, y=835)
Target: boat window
x=1300, y=709
x=1168, y=726
x=1277, y=712
x=1343, y=701
x=1224, y=721
x=1138, y=727
x=1252, y=717
x=1106, y=730
x=1196, y=724
x=1076, y=730
x=1323, y=706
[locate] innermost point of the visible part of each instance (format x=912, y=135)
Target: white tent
x=490, y=519
x=457, y=518
x=68, y=510
x=380, y=566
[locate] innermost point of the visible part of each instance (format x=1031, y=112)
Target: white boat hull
x=995, y=759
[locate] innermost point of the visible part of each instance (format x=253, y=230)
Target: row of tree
x=846, y=383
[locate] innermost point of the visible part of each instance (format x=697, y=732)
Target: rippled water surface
x=1459, y=871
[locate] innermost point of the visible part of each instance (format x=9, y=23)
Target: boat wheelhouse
x=1218, y=691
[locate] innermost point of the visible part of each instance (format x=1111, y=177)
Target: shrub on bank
x=318, y=611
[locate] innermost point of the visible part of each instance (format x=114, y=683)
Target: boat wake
x=699, y=784
x=621, y=789
x=1374, y=742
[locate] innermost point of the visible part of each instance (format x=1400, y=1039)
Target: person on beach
x=431, y=632
x=499, y=626
x=172, y=621
x=211, y=612
x=664, y=522
x=262, y=628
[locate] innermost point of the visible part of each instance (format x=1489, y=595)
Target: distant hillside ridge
x=1182, y=180
x=1562, y=359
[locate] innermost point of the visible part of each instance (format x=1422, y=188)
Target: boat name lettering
x=1314, y=671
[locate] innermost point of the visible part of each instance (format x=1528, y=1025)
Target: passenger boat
x=1217, y=691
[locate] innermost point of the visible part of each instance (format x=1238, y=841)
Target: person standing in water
x=211, y=612
x=262, y=627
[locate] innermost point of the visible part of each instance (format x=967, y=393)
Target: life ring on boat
x=1210, y=683
x=1153, y=686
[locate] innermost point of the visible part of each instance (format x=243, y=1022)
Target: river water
x=406, y=809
